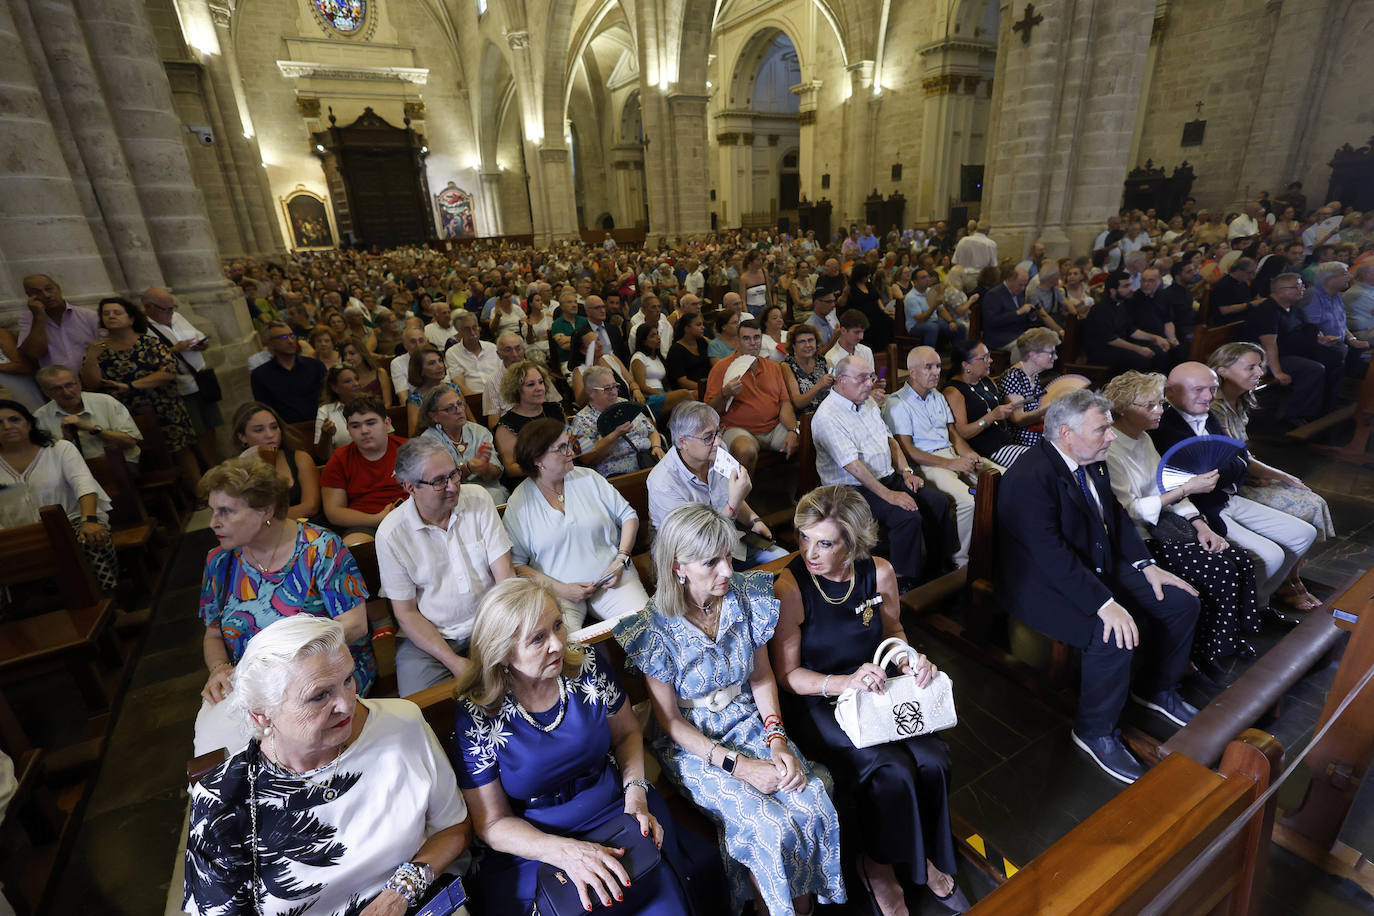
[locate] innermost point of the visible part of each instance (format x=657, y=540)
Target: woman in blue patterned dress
x=531, y=748
x=266, y=567
x=703, y=645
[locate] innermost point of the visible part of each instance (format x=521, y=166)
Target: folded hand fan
x=618, y=413
x=1199, y=455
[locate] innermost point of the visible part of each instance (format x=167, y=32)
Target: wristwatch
x=624, y=559
x=93, y=519
x=728, y=762
x=1142, y=565
x=906, y=471
x=97, y=430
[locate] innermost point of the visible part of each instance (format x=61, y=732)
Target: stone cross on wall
x=1029, y=21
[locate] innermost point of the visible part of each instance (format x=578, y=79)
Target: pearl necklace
x=328, y=788
x=562, y=708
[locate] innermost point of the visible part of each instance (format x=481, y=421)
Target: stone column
x=809, y=93
x=1063, y=115
x=687, y=123
x=42, y=226
x=559, y=191
x=953, y=80
x=64, y=43
x=735, y=149
x=859, y=114
x=489, y=194
x=627, y=163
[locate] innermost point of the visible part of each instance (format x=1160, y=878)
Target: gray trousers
x=416, y=669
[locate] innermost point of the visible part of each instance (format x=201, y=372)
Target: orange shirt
x=759, y=401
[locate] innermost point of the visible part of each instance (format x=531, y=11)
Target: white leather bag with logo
x=904, y=710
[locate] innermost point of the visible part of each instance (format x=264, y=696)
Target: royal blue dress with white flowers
x=563, y=782
x=788, y=841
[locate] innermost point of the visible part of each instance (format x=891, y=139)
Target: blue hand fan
x=1199, y=455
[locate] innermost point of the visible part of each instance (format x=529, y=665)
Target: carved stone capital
x=221, y=11
x=518, y=41
x=414, y=110
x=296, y=69
x=308, y=107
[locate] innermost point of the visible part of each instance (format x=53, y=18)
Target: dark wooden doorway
x=377, y=181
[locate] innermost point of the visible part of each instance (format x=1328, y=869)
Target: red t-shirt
x=370, y=485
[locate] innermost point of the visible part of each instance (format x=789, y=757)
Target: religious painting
x=308, y=220
x=344, y=15
x=455, y=213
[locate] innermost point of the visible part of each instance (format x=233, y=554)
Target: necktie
x=1081, y=476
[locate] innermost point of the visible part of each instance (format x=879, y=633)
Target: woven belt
x=715, y=701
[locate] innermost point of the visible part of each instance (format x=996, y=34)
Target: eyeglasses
x=452, y=408
x=442, y=481
x=565, y=449
x=283, y=337
x=603, y=388
x=1149, y=405
x=707, y=438
x=866, y=377
x=986, y=357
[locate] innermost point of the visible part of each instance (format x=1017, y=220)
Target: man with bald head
x=1006, y=313
x=510, y=349
x=188, y=345
x=830, y=280
x=52, y=330
x=920, y=419
x=1276, y=540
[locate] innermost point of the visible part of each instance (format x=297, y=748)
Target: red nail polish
x=645, y=832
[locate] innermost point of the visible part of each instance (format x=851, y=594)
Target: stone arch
x=764, y=47
x=495, y=91
x=588, y=30
x=968, y=19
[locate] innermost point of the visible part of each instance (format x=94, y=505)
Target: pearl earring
x=681, y=579
x=269, y=523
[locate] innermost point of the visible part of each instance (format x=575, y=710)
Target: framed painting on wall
x=455, y=213
x=308, y=219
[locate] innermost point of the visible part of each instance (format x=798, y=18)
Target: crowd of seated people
x=507, y=357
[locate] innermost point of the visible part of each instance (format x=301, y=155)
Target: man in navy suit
x=611, y=338
x=1006, y=314
x=1072, y=566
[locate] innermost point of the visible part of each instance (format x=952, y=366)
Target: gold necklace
x=260, y=567
x=828, y=600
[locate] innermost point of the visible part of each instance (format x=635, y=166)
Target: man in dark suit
x=1006, y=313
x=611, y=338
x=1073, y=567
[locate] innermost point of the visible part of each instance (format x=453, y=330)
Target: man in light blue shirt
x=923, y=425
x=1359, y=301
x=919, y=313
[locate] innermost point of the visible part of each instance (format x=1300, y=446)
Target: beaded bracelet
x=410, y=881
x=635, y=782
x=824, y=684
x=773, y=719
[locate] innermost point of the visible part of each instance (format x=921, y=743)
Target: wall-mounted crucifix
x=1029, y=21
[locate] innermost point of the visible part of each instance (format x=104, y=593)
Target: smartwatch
x=728, y=762
x=93, y=519
x=1142, y=565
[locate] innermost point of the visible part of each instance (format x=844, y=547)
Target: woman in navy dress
x=531, y=749
x=838, y=605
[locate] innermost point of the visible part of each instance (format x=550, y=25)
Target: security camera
x=204, y=135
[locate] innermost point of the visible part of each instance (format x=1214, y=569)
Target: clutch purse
x=903, y=710
x=557, y=893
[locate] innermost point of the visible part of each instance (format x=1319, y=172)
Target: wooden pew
x=159, y=477
x=130, y=528
x=1207, y=338
x=1071, y=359
x=1120, y=859
x=400, y=420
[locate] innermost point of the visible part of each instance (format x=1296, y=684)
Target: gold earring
x=269, y=523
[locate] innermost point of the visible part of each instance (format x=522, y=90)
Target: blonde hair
x=506, y=615
x=1126, y=387
x=847, y=509
x=1036, y=339
x=1226, y=356
x=514, y=380
x=691, y=533
x=251, y=480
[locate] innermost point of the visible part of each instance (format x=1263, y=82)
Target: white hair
x=1070, y=409
x=1326, y=270
x=690, y=418
x=260, y=677
x=591, y=374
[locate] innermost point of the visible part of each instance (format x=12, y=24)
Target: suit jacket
x=1001, y=324
x=618, y=346
x=1057, y=562
x=1173, y=428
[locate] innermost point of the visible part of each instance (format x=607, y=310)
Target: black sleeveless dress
x=894, y=798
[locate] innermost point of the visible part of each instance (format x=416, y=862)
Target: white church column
x=860, y=113
x=735, y=149
x=555, y=163
x=489, y=198
x=953, y=82
x=43, y=229
x=1064, y=111
x=809, y=93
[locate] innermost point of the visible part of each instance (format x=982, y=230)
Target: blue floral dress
x=321, y=579
x=788, y=841
x=563, y=782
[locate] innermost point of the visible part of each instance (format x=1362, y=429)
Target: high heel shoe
x=955, y=901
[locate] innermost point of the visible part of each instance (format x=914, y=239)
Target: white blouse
x=333, y=411
x=574, y=545
x=1132, y=464
x=654, y=373
x=57, y=477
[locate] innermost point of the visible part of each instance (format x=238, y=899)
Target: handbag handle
x=899, y=648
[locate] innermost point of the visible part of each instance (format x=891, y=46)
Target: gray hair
x=412, y=455
x=48, y=373
x=690, y=418
x=1070, y=409
x=692, y=532
x=1326, y=270
x=1136, y=257
x=1286, y=277
x=261, y=675
x=592, y=373
x=355, y=311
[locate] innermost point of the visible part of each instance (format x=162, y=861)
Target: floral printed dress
x=145, y=357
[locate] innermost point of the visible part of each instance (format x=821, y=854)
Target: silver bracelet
x=825, y=684
x=635, y=782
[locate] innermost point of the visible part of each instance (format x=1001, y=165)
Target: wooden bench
x=1121, y=859
x=159, y=477
x=1206, y=338
x=1070, y=361
x=130, y=528
x=1356, y=450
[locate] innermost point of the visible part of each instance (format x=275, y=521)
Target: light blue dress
x=788, y=841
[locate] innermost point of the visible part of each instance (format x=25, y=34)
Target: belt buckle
x=717, y=700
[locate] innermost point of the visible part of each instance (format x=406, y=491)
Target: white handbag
x=903, y=710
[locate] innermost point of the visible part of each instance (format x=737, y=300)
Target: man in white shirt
x=1246, y=224
x=1326, y=226
x=187, y=344
x=412, y=338
x=437, y=554
x=511, y=350
x=651, y=310
x=441, y=331
x=975, y=250
x=1113, y=247
x=472, y=359
x=849, y=342
x=95, y=420
x=855, y=448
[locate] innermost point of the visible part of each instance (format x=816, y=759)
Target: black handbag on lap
x=557, y=894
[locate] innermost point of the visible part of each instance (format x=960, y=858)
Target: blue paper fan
x=1199, y=455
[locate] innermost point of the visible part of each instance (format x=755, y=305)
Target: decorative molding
x=221, y=11
x=941, y=84
x=727, y=139
x=518, y=41
x=746, y=139
x=772, y=139
x=1161, y=23
x=971, y=82
x=415, y=111
x=296, y=69
x=957, y=44
x=307, y=106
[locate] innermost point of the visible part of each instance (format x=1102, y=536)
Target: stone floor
x=1018, y=783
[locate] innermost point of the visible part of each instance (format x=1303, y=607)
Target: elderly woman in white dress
x=571, y=529
x=338, y=805
x=1173, y=529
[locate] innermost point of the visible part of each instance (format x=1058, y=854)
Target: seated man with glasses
x=288, y=383
x=755, y=408
x=438, y=554
x=358, y=486
x=687, y=474
x=88, y=418
x=854, y=448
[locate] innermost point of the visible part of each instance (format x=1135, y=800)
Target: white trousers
x=1276, y=539
x=629, y=597
x=956, y=488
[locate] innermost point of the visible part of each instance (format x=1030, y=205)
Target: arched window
x=344, y=15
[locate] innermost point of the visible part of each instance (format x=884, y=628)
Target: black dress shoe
x=1209, y=674
x=1111, y=756
x=1272, y=615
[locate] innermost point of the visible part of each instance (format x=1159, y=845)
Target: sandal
x=1297, y=597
